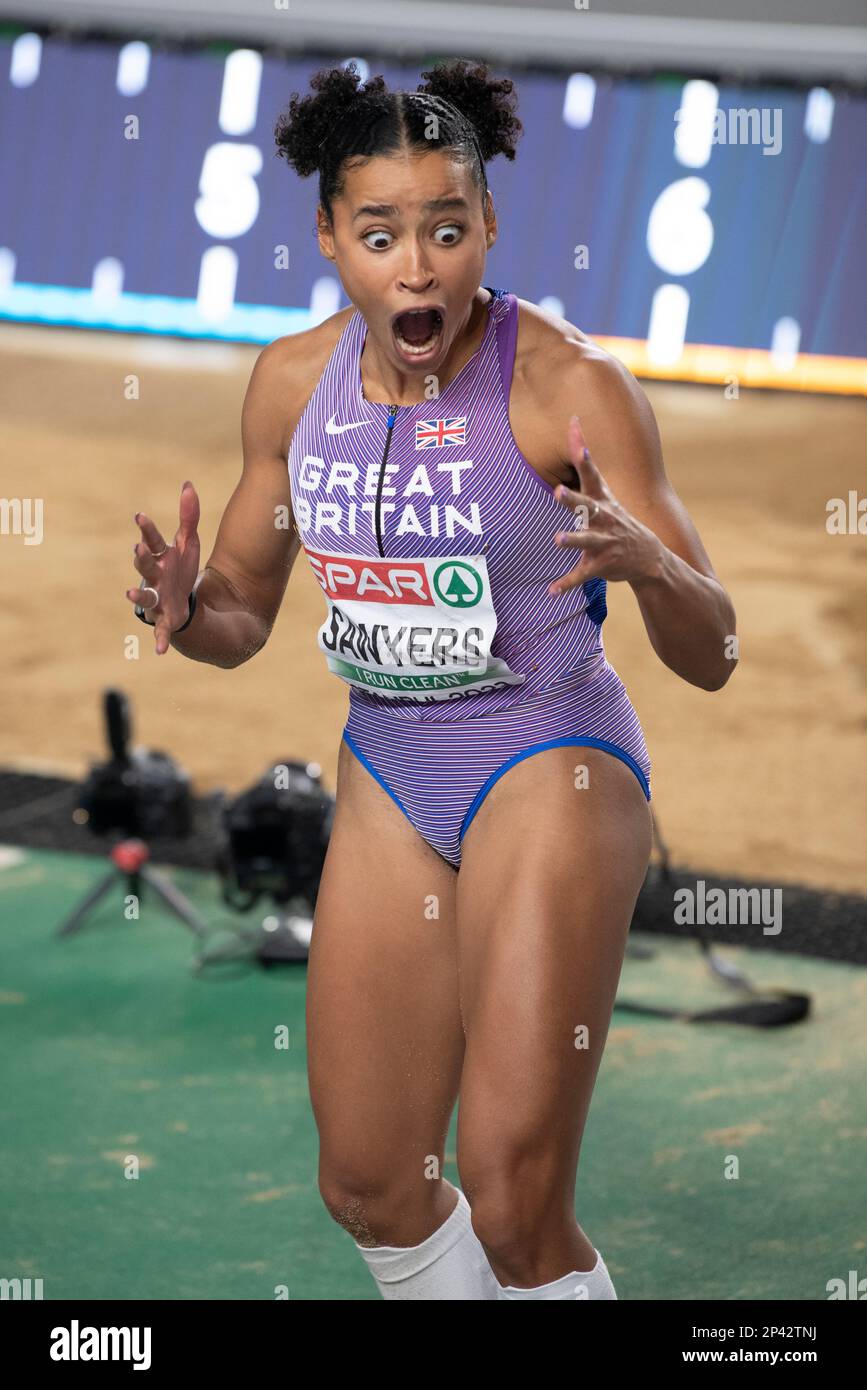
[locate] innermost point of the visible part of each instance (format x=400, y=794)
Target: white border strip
x=740, y=49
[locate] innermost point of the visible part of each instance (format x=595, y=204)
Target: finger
x=572, y=498
x=144, y=597
x=162, y=635
x=582, y=540
x=591, y=479
x=144, y=561
x=575, y=440
x=189, y=511
x=572, y=580
x=588, y=513
x=151, y=535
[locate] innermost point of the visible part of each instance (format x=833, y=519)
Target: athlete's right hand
x=169, y=578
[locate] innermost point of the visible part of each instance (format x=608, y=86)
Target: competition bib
x=410, y=629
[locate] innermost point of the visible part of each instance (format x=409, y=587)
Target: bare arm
x=239, y=592
x=638, y=529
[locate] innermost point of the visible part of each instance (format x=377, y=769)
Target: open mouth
x=417, y=331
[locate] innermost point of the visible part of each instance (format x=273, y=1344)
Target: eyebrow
x=389, y=210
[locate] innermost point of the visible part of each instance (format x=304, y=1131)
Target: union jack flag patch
x=432, y=434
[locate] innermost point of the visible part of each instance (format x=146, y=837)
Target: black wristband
x=192, y=603
x=140, y=614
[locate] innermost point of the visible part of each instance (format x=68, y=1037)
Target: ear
x=490, y=215
x=325, y=234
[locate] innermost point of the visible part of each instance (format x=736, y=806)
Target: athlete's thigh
x=384, y=1033
x=550, y=872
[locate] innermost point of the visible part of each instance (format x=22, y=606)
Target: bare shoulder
x=285, y=375
x=550, y=344
x=560, y=371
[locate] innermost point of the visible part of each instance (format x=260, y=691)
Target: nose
x=415, y=274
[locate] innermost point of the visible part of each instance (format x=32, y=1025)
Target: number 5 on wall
x=229, y=201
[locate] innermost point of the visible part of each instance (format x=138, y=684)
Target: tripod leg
x=76, y=920
x=175, y=900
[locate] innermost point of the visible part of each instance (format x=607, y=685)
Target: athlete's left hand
x=613, y=543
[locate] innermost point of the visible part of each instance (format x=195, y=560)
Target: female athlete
x=466, y=473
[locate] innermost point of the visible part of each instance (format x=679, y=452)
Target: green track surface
x=112, y=1047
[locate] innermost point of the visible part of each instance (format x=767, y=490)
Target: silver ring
x=158, y=554
x=145, y=588
x=595, y=511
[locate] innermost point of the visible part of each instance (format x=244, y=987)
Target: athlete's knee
x=360, y=1205
x=515, y=1194
x=374, y=1208
x=351, y=1210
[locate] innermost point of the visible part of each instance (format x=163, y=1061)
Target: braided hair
x=459, y=107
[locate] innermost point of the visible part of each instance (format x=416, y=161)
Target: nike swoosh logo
x=331, y=428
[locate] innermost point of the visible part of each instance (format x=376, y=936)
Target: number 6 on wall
x=229, y=201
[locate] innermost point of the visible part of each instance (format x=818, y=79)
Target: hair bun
x=305, y=125
x=488, y=103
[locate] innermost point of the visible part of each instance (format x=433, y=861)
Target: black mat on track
x=37, y=812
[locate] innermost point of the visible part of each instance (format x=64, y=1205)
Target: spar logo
x=371, y=581
x=458, y=584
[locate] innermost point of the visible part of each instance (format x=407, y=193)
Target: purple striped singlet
x=432, y=539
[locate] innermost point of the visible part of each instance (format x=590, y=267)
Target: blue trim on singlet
x=597, y=607
x=538, y=748
x=347, y=738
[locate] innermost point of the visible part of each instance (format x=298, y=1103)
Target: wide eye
x=380, y=245
x=453, y=231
